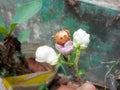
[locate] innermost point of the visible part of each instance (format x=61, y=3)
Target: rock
x=87, y=86
x=64, y=87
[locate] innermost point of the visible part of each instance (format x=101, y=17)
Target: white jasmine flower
x=81, y=39
x=46, y=54
x=52, y=59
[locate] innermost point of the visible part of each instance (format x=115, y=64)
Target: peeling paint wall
x=100, y=22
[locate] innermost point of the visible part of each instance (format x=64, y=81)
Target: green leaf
x=26, y=11
x=3, y=72
x=43, y=86
x=2, y=22
x=12, y=27
x=24, y=35
x=3, y=31
x=81, y=72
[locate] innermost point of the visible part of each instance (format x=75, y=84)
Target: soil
x=62, y=80
x=13, y=62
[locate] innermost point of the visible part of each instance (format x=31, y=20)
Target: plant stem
x=57, y=67
x=63, y=69
x=76, y=61
x=60, y=64
x=69, y=58
x=67, y=63
x=108, y=72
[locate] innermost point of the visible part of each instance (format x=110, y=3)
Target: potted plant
x=68, y=56
x=17, y=71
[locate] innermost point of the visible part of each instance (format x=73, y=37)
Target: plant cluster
x=11, y=61
x=68, y=50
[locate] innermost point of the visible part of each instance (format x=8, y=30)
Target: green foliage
x=81, y=72
x=43, y=86
x=3, y=30
x=3, y=72
x=12, y=27
x=24, y=35
x=26, y=11
x=22, y=14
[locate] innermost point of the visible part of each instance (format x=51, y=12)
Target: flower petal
x=52, y=59
x=66, y=49
x=81, y=39
x=46, y=54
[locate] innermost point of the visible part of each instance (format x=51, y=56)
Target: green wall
x=56, y=15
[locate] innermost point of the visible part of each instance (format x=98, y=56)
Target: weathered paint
x=96, y=20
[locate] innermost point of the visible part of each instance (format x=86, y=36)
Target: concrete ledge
x=112, y=4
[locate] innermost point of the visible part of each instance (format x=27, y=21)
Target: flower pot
x=28, y=81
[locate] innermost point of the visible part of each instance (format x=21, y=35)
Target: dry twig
x=108, y=72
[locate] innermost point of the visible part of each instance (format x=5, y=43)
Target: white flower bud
x=46, y=54
x=52, y=59
x=81, y=39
